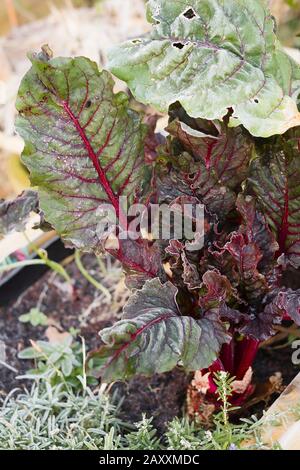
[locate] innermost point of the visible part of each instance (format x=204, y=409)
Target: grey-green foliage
x=143, y=437
x=59, y=414
x=49, y=417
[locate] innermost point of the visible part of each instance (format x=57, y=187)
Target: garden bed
x=161, y=396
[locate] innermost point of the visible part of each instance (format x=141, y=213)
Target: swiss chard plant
x=232, y=145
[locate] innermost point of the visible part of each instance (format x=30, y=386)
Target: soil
x=162, y=396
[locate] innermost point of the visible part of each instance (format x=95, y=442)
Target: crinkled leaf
x=275, y=180
x=218, y=163
x=153, y=337
x=288, y=302
x=182, y=266
x=190, y=274
x=256, y=229
x=261, y=326
x=218, y=289
x=247, y=257
x=197, y=182
x=225, y=154
x=14, y=214
x=141, y=261
x=84, y=146
x=223, y=55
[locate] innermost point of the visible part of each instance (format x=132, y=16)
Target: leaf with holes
x=84, y=145
x=275, y=180
x=154, y=337
x=212, y=56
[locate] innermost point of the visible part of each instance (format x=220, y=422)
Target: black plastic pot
x=18, y=280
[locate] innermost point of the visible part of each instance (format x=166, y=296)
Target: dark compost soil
x=162, y=396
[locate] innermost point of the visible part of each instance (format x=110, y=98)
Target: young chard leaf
x=288, y=302
x=225, y=56
x=221, y=161
x=84, y=145
x=275, y=180
x=257, y=230
x=154, y=337
x=247, y=256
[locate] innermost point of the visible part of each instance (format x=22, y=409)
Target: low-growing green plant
x=59, y=363
x=144, y=436
x=35, y=317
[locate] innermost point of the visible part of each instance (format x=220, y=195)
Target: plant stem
x=246, y=351
x=22, y=264
x=90, y=278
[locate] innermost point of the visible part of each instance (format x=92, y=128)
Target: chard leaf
x=220, y=161
x=225, y=55
x=275, y=180
x=180, y=264
x=256, y=229
x=261, y=326
x=141, y=262
x=14, y=214
x=154, y=337
x=288, y=302
x=218, y=289
x=84, y=146
x=190, y=273
x=247, y=256
x=225, y=154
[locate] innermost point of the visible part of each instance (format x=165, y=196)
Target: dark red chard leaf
x=175, y=248
x=182, y=268
x=14, y=214
x=84, y=145
x=275, y=180
x=247, y=257
x=218, y=289
x=256, y=230
x=190, y=274
x=221, y=161
x=288, y=303
x=225, y=154
x=141, y=261
x=233, y=316
x=154, y=337
x=195, y=182
x=260, y=326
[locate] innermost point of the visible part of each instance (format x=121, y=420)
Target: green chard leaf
x=154, y=337
x=213, y=56
x=83, y=144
